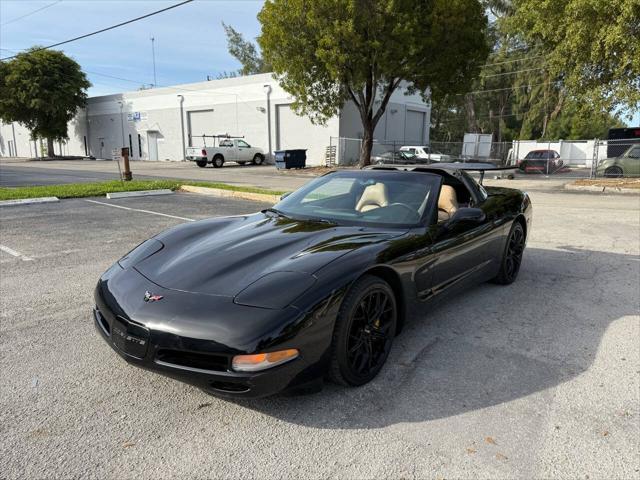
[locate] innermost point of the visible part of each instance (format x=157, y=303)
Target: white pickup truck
x=228, y=150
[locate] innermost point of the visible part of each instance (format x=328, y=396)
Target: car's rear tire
x=512, y=256
x=613, y=172
x=201, y=163
x=364, y=331
x=258, y=159
x=218, y=161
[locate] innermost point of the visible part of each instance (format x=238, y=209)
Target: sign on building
x=136, y=116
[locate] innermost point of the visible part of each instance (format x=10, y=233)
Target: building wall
x=25, y=146
x=235, y=106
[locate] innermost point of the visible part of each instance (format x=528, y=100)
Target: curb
x=602, y=189
x=28, y=201
x=218, y=192
x=139, y=193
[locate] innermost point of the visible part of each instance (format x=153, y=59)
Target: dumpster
x=290, y=158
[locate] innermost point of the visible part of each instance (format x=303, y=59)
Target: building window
x=139, y=146
x=130, y=146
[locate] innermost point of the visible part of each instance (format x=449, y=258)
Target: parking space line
x=15, y=253
x=140, y=210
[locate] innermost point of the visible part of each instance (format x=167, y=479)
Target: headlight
x=275, y=290
x=142, y=251
x=262, y=361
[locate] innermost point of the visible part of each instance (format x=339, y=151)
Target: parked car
x=426, y=153
x=229, y=150
x=316, y=286
x=626, y=165
x=400, y=157
x=541, y=161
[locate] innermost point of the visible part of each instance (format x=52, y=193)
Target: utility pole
x=153, y=54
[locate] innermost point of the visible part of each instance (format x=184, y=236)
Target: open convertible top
x=467, y=166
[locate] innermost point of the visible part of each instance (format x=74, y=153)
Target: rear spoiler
x=468, y=166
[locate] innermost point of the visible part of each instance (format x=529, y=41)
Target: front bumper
x=196, y=352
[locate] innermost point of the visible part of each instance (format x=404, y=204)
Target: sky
x=189, y=40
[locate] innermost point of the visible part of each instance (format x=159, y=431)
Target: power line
x=29, y=14
x=106, y=29
x=513, y=72
x=512, y=60
x=501, y=89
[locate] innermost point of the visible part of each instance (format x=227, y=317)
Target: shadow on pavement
x=484, y=347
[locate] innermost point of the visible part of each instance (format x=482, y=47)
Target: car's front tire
x=218, y=161
x=512, y=256
x=364, y=331
x=613, y=172
x=258, y=159
x=201, y=163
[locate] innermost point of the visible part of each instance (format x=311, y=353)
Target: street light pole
x=122, y=121
x=153, y=54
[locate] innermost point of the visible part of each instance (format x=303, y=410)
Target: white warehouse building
x=159, y=123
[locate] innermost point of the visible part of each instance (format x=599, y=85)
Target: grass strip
x=96, y=189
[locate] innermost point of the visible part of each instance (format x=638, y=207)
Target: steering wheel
x=411, y=211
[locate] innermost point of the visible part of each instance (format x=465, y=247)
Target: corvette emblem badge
x=149, y=297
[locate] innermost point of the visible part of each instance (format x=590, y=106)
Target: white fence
x=575, y=158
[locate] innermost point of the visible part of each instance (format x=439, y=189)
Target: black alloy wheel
x=512, y=257
x=364, y=332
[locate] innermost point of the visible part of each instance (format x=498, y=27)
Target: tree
x=592, y=46
x=326, y=52
x=42, y=90
x=245, y=52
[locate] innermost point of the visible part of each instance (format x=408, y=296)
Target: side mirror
x=465, y=215
x=284, y=195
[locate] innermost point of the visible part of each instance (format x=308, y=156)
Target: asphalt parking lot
x=540, y=379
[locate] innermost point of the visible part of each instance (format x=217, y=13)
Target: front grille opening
x=229, y=387
x=203, y=361
x=106, y=328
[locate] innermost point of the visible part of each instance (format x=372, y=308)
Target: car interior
x=391, y=199
x=453, y=195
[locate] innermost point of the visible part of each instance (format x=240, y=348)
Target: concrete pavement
x=540, y=379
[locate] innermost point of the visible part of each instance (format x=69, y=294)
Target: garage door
x=293, y=132
x=200, y=122
x=414, y=131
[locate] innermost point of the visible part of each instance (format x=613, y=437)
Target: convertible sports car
x=315, y=287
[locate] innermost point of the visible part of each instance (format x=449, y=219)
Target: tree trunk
x=366, y=146
x=50, y=151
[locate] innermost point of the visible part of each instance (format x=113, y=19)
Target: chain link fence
x=542, y=159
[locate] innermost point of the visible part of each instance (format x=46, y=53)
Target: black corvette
x=315, y=287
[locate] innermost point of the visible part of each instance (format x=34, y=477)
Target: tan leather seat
x=374, y=196
x=447, y=203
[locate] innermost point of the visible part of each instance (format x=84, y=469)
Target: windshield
x=365, y=197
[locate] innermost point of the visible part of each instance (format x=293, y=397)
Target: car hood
x=223, y=256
